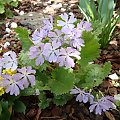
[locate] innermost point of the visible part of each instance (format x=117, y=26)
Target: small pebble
x=21, y=13
x=6, y=44
x=8, y=30
x=14, y=25
x=63, y=9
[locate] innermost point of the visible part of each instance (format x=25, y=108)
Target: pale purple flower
x=9, y=60
x=56, y=36
x=12, y=84
x=36, y=52
x=102, y=105
x=38, y=36
x=75, y=39
x=66, y=56
x=27, y=76
x=84, y=25
x=77, y=43
x=82, y=96
x=66, y=22
x=48, y=24
x=51, y=51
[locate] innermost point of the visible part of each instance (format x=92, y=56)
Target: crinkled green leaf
x=106, y=69
x=0, y=108
x=61, y=99
x=39, y=85
x=24, y=59
x=2, y=9
x=95, y=74
x=91, y=49
x=62, y=81
x=19, y=106
x=14, y=3
x=44, y=101
x=23, y=35
x=27, y=92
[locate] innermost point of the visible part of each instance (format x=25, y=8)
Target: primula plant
x=58, y=60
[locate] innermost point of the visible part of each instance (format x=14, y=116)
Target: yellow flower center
x=9, y=71
x=1, y=91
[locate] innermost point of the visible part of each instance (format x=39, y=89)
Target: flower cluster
x=60, y=42
x=102, y=105
x=9, y=61
x=82, y=96
x=13, y=79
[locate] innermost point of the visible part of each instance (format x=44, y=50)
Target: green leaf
x=23, y=35
x=14, y=4
x=27, y=92
x=4, y=105
x=5, y=114
x=106, y=69
x=61, y=99
x=105, y=10
x=97, y=27
x=39, y=85
x=2, y=9
x=0, y=108
x=25, y=61
x=62, y=81
x=9, y=13
x=95, y=74
x=19, y=106
x=91, y=49
x=44, y=102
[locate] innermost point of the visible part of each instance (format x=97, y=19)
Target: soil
x=72, y=110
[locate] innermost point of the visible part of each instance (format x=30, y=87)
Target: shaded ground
x=72, y=110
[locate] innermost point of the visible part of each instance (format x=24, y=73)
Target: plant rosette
x=57, y=59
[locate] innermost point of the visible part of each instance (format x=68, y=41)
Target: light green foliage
x=42, y=79
x=61, y=99
x=23, y=35
x=4, y=7
x=91, y=49
x=94, y=74
x=103, y=14
x=27, y=92
x=44, y=101
x=19, y=106
x=24, y=59
x=62, y=81
x=4, y=113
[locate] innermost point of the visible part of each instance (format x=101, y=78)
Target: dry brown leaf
x=109, y=115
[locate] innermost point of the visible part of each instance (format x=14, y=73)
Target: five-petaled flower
x=102, y=105
x=12, y=84
x=27, y=76
x=82, y=96
x=37, y=53
x=48, y=24
x=66, y=22
x=66, y=56
x=9, y=60
x=38, y=35
x=51, y=51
